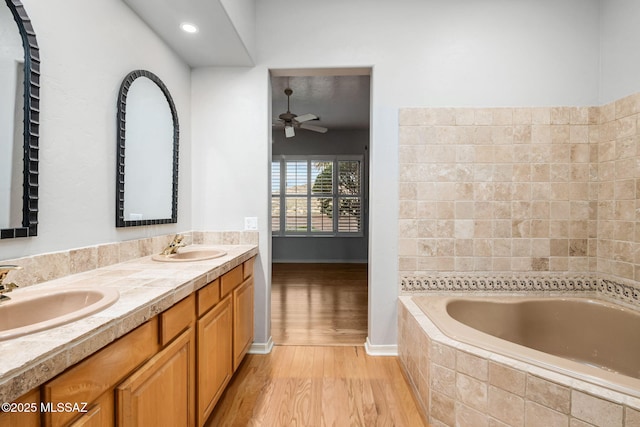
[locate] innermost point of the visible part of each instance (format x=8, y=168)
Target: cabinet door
x=242, y=321
x=98, y=374
x=214, y=356
x=101, y=413
x=24, y=418
x=161, y=392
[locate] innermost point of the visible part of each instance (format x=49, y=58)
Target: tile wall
x=520, y=189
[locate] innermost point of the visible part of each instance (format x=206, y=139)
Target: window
x=316, y=195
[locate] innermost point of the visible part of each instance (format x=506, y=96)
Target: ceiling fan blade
x=288, y=132
x=314, y=128
x=305, y=118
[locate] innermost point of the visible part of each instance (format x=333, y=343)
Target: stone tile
x=549, y=394
x=436, y=423
x=495, y=423
x=471, y=365
x=506, y=378
x=443, y=380
x=471, y=391
x=443, y=355
x=540, y=416
x=506, y=407
x=468, y=417
x=442, y=408
x=631, y=417
x=595, y=410
x=83, y=259
x=108, y=254
x=577, y=423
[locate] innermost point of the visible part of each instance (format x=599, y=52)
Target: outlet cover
x=250, y=223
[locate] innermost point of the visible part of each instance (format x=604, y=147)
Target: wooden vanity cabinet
x=23, y=418
x=94, y=379
x=129, y=375
x=225, y=333
x=239, y=284
x=162, y=391
x=215, y=365
x=242, y=321
x=170, y=370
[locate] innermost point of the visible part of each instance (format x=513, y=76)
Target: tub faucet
x=6, y=287
x=174, y=245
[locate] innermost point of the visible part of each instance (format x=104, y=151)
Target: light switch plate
x=250, y=223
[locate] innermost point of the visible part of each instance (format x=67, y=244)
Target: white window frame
x=281, y=161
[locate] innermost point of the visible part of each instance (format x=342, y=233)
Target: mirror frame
x=31, y=127
x=121, y=119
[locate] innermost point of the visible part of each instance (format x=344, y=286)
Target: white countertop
x=146, y=288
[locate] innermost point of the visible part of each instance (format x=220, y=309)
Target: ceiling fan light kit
x=289, y=132
x=291, y=120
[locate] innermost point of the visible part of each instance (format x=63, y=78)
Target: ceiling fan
x=292, y=121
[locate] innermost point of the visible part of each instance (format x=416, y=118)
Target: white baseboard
x=380, y=350
x=261, y=348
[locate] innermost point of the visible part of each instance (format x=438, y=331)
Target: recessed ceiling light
x=188, y=27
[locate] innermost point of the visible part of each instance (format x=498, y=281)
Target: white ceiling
x=339, y=97
x=217, y=43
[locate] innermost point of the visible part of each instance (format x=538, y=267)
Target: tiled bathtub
x=459, y=384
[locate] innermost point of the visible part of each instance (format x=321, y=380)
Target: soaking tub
x=586, y=338
x=587, y=348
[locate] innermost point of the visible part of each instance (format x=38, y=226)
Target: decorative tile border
x=620, y=291
x=609, y=288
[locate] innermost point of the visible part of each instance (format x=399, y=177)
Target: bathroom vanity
x=164, y=358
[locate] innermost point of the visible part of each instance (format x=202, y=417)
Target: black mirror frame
x=31, y=129
x=120, y=155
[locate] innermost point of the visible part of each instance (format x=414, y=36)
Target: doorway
x=319, y=206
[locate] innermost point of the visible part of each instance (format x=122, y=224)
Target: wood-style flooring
x=317, y=386
x=319, y=304
x=318, y=373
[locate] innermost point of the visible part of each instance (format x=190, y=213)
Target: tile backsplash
x=43, y=267
x=520, y=190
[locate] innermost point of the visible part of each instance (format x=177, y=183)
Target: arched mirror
x=147, y=175
x=19, y=122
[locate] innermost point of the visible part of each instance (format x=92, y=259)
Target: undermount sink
x=190, y=255
x=31, y=311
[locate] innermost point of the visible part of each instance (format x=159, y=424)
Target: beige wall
x=519, y=189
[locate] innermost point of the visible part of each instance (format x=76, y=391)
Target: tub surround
x=547, y=189
x=146, y=288
x=569, y=335
x=520, y=200
x=461, y=384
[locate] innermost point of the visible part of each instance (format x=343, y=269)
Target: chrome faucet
x=174, y=245
x=6, y=287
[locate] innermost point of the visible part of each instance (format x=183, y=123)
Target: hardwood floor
x=317, y=386
x=319, y=304
x=318, y=374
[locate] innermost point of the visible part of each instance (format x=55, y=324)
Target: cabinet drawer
x=208, y=297
x=177, y=319
x=89, y=379
x=230, y=280
x=248, y=268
